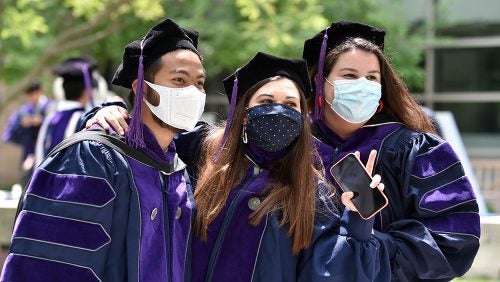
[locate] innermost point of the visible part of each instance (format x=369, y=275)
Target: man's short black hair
x=32, y=87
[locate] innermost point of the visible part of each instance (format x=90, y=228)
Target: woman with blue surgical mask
x=356, y=99
x=430, y=228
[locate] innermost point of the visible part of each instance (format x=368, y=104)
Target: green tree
x=35, y=34
x=40, y=32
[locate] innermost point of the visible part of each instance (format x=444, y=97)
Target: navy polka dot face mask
x=273, y=127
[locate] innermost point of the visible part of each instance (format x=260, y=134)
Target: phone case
x=351, y=175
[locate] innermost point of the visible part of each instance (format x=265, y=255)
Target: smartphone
x=351, y=175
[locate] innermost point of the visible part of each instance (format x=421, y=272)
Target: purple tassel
x=88, y=84
x=135, y=132
x=318, y=105
x=232, y=106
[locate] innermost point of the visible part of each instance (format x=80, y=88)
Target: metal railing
x=487, y=173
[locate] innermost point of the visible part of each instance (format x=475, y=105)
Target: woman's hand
x=110, y=116
x=346, y=197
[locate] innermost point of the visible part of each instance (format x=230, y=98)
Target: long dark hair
x=292, y=189
x=396, y=98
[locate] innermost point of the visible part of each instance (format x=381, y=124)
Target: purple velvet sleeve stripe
x=61, y=231
x=72, y=188
x=448, y=196
x=434, y=161
x=459, y=223
x=33, y=269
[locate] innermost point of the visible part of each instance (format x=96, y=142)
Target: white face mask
x=179, y=107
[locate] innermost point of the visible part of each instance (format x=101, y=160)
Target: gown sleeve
x=431, y=227
x=343, y=249
x=15, y=132
x=91, y=113
x=75, y=203
x=187, y=145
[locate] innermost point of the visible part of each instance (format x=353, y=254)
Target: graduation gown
x=431, y=225
x=58, y=125
x=92, y=214
x=342, y=248
x=25, y=136
x=430, y=228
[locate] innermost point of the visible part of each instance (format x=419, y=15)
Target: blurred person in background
x=78, y=87
x=24, y=125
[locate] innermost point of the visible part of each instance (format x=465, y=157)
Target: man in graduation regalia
x=93, y=214
x=77, y=86
x=24, y=124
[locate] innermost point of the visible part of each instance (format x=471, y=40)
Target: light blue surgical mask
x=355, y=100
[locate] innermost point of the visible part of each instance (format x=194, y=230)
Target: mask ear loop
x=244, y=134
x=380, y=106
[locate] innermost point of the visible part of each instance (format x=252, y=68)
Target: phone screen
x=351, y=175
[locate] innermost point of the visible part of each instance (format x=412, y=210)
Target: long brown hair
x=396, y=98
x=292, y=189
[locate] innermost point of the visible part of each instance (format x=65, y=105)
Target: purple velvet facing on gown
x=152, y=193
x=454, y=223
x=434, y=161
x=241, y=240
x=447, y=196
x=70, y=232
x=58, y=124
x=152, y=256
x=47, y=270
x=262, y=157
x=358, y=142
x=71, y=188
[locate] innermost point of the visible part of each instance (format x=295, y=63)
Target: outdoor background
x=447, y=51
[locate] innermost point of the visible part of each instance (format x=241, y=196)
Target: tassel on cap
x=135, y=132
x=318, y=105
x=87, y=81
x=232, y=106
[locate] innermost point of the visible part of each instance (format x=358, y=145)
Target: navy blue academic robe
x=342, y=248
x=92, y=214
x=25, y=136
x=430, y=229
x=58, y=125
x=431, y=226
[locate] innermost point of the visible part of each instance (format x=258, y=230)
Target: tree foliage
x=36, y=34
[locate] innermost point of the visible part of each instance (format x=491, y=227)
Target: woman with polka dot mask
x=263, y=211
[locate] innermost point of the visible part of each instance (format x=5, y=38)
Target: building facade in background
x=462, y=62
x=462, y=67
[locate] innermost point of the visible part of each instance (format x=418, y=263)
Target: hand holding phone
x=352, y=176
